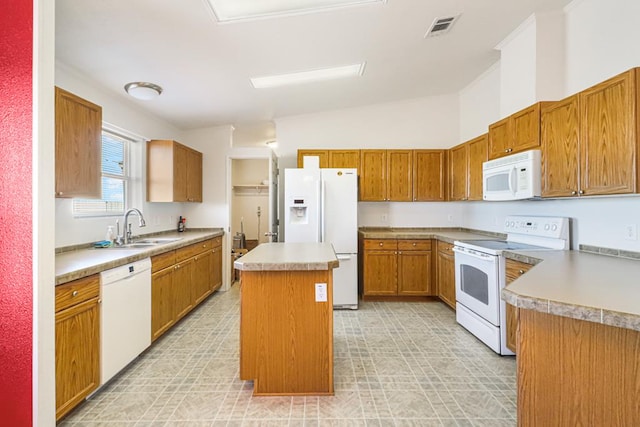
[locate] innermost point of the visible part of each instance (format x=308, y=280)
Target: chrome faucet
x=127, y=226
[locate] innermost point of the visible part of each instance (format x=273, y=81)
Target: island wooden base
x=286, y=337
x=573, y=372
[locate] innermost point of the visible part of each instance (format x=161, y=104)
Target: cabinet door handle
x=520, y=271
x=573, y=193
x=581, y=192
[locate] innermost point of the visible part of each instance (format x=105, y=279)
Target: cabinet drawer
x=390, y=244
x=414, y=245
x=216, y=241
x=163, y=260
x=78, y=291
x=445, y=247
x=193, y=250
x=515, y=269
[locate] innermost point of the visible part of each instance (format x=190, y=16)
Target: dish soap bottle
x=110, y=236
x=181, y=224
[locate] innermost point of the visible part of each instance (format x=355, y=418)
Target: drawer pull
x=74, y=293
x=380, y=243
x=520, y=271
x=414, y=243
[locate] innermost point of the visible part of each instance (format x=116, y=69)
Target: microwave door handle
x=512, y=180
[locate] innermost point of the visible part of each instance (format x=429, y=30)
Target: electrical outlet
x=384, y=218
x=631, y=232
x=450, y=218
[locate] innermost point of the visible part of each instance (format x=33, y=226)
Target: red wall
x=16, y=259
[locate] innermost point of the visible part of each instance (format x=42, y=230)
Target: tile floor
x=396, y=364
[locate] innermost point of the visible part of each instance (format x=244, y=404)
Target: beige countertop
x=448, y=235
x=288, y=256
x=579, y=285
x=75, y=264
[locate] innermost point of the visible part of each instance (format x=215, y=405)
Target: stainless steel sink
x=156, y=240
x=147, y=243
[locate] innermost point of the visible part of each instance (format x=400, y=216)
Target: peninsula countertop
x=580, y=285
x=289, y=256
x=82, y=262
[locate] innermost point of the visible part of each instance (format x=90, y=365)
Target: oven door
x=477, y=283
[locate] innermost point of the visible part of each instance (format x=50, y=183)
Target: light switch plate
x=321, y=292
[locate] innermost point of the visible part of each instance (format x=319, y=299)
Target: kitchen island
x=286, y=318
x=578, y=339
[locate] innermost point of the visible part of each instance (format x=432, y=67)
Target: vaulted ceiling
x=204, y=66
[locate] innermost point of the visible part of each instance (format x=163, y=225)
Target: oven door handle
x=473, y=254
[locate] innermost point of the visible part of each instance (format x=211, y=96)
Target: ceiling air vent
x=441, y=26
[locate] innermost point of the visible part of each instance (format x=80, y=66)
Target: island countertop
x=289, y=256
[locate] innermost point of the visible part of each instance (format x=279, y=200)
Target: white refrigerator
x=321, y=205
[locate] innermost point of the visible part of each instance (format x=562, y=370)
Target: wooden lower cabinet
x=162, y=304
x=573, y=372
x=397, y=267
x=181, y=280
x=513, y=270
x=445, y=273
x=77, y=342
x=183, y=288
x=216, y=264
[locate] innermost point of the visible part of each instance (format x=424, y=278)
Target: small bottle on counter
x=110, y=236
x=181, y=224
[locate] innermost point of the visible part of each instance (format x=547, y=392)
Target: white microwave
x=514, y=177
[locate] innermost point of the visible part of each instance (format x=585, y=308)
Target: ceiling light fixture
x=234, y=10
x=143, y=90
x=308, y=76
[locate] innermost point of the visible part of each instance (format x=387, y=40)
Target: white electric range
x=480, y=273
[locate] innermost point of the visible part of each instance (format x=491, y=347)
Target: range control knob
x=554, y=227
x=547, y=227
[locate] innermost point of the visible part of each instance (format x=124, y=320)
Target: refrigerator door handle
x=323, y=198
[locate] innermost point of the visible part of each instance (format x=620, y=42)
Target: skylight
x=308, y=76
x=236, y=10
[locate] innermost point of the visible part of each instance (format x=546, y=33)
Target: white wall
x=480, y=104
x=602, y=40
x=116, y=111
x=518, y=69
x=416, y=123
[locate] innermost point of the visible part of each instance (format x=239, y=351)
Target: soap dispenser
x=110, y=236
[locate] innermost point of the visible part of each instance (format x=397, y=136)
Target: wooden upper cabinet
x=429, y=175
x=344, y=159
x=459, y=172
x=478, y=154
x=400, y=175
x=373, y=174
x=608, y=136
x=194, y=176
x=518, y=132
x=559, y=143
x=174, y=172
x=78, y=125
x=323, y=156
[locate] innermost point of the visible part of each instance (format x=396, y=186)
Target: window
x=115, y=176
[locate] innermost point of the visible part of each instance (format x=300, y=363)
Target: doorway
x=253, y=202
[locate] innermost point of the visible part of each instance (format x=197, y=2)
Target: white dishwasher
x=125, y=316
